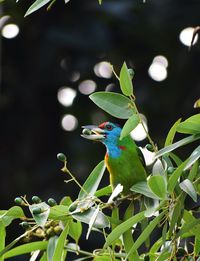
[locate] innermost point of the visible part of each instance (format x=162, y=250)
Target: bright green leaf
x=146, y=233
x=115, y=104
x=188, y=188
x=130, y=125
x=35, y=6
x=142, y=188
x=104, y=191
x=158, y=186
x=2, y=239
x=173, y=179
x=75, y=230
x=193, y=158
x=91, y=184
x=59, y=212
x=122, y=228
x=60, y=244
x=8, y=216
x=51, y=247
x=177, y=144
x=41, y=218
x=190, y=126
x=171, y=133
x=197, y=246
x=125, y=81
x=26, y=248
x=101, y=220
x=193, y=172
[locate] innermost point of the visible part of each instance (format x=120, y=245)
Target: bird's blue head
x=107, y=132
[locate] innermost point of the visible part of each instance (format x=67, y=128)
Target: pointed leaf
x=35, y=6
x=60, y=244
x=142, y=188
x=190, y=126
x=85, y=217
x=173, y=179
x=104, y=191
x=91, y=184
x=51, y=247
x=158, y=186
x=26, y=248
x=193, y=158
x=3, y=236
x=92, y=221
x=115, y=104
x=188, y=188
x=146, y=233
x=75, y=230
x=122, y=228
x=177, y=144
x=7, y=216
x=125, y=81
x=171, y=134
x=130, y=125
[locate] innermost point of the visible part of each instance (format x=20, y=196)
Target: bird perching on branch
x=123, y=158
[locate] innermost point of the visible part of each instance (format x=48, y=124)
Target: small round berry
x=131, y=73
x=86, y=132
x=51, y=202
x=19, y=201
x=36, y=199
x=149, y=147
x=170, y=170
x=61, y=157
x=37, y=211
x=25, y=225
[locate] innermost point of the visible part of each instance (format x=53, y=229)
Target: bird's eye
x=109, y=127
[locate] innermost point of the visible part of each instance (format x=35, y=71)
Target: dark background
x=81, y=34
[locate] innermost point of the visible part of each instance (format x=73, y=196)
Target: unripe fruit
x=36, y=199
x=86, y=132
x=19, y=201
x=61, y=157
x=131, y=72
x=57, y=230
x=50, y=232
x=25, y=225
x=170, y=170
x=37, y=211
x=52, y=202
x=149, y=147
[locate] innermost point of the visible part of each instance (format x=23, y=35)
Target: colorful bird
x=124, y=160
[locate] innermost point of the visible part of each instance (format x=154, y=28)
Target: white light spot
x=10, y=31
x=75, y=76
x=66, y=96
x=148, y=156
x=186, y=36
x=103, y=69
x=86, y=87
x=157, y=72
x=110, y=87
x=139, y=133
x=69, y=122
x=161, y=59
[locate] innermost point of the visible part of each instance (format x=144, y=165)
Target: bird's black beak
x=92, y=132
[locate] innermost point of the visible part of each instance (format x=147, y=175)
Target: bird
x=124, y=160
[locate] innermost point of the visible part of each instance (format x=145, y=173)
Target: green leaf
x=35, y=6
x=146, y=233
x=115, y=104
x=190, y=126
x=122, y=228
x=158, y=186
x=171, y=134
x=125, y=81
x=188, y=188
x=44, y=257
x=41, y=218
x=51, y=247
x=177, y=144
x=142, y=188
x=85, y=217
x=173, y=179
x=75, y=230
x=8, y=216
x=193, y=158
x=2, y=240
x=60, y=244
x=193, y=172
x=127, y=236
x=26, y=248
x=151, y=206
x=91, y=184
x=104, y=191
x=92, y=221
x=196, y=246
x=130, y=125
x=59, y=212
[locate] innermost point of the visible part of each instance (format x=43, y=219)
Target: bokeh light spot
x=186, y=36
x=161, y=59
x=10, y=31
x=87, y=87
x=103, y=69
x=139, y=133
x=69, y=122
x=157, y=72
x=66, y=96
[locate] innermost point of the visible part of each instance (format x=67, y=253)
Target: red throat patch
x=122, y=147
x=102, y=125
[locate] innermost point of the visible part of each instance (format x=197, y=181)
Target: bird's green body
x=127, y=169
x=123, y=158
